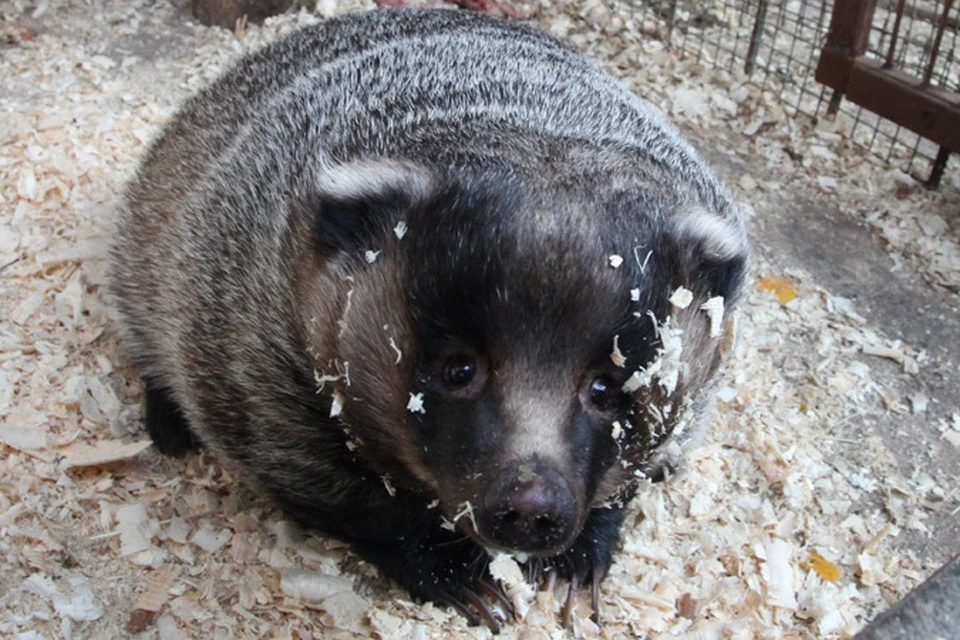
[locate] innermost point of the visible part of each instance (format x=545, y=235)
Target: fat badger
x=437, y=285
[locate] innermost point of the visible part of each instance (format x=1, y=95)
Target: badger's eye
x=459, y=371
x=603, y=392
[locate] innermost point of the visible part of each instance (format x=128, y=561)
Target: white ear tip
x=722, y=238
x=374, y=177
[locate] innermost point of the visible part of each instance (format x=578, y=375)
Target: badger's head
x=512, y=350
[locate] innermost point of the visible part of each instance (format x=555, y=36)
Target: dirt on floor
x=826, y=488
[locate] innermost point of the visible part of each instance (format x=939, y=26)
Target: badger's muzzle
x=529, y=507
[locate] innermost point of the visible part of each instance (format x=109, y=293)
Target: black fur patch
x=350, y=223
x=166, y=424
x=715, y=277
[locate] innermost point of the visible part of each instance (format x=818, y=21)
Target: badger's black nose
x=529, y=507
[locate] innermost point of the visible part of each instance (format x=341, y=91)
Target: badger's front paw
x=451, y=569
x=587, y=561
x=447, y=569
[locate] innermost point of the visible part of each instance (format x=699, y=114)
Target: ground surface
x=825, y=490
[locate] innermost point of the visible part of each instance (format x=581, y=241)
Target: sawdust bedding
x=102, y=537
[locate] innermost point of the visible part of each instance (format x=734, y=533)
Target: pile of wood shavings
x=101, y=538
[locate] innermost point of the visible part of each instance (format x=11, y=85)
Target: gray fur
x=225, y=301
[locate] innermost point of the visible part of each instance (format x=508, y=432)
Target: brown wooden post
x=850, y=26
x=847, y=39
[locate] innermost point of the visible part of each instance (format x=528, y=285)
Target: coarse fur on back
x=435, y=283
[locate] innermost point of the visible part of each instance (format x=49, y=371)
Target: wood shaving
x=74, y=600
x=346, y=611
x=393, y=345
x=681, y=298
x=336, y=404
x=312, y=586
x=642, y=263
x=714, y=309
x=156, y=589
x=134, y=529
x=465, y=509
x=897, y=354
x=23, y=438
x=616, y=430
x=342, y=322
x=101, y=452
x=415, y=404
x=391, y=490
x=211, y=540
x=323, y=379
x=636, y=380
x=777, y=572
x=668, y=365
x=616, y=356
x=504, y=569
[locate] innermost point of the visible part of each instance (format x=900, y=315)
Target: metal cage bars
x=779, y=45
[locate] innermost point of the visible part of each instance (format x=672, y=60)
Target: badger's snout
x=529, y=507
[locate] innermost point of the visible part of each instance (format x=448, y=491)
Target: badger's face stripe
x=537, y=421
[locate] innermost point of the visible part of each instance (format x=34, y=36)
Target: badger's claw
x=472, y=604
x=480, y=606
x=550, y=582
x=566, y=613
x=494, y=590
x=585, y=562
x=460, y=608
x=570, y=603
x=596, y=579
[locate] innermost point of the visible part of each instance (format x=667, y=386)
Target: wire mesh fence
x=777, y=44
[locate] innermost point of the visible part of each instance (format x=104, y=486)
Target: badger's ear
x=713, y=250
x=352, y=203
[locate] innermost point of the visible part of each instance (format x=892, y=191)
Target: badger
x=436, y=285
